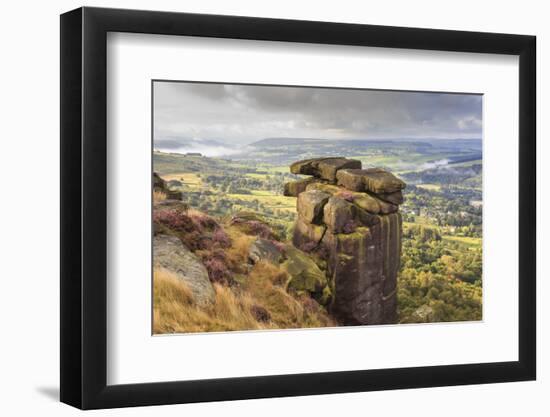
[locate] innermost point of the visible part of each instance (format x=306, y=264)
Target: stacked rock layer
x=353, y=213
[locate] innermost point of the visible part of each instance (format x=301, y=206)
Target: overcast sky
x=240, y=114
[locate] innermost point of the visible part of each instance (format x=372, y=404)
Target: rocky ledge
x=352, y=214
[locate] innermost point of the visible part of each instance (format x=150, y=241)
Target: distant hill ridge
x=320, y=141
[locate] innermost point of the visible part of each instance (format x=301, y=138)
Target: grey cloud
x=244, y=113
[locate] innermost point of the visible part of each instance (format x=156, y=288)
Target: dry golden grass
x=266, y=286
x=158, y=196
x=175, y=310
x=262, y=289
x=237, y=253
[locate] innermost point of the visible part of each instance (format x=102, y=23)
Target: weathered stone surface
x=364, y=218
x=363, y=268
x=294, y=188
x=310, y=205
x=264, y=250
x=394, y=198
x=362, y=200
x=359, y=237
x=307, y=233
x=339, y=215
x=352, y=179
x=329, y=167
x=368, y=203
x=171, y=254
x=322, y=186
x=385, y=207
x=305, y=167
x=304, y=274
x=380, y=181
x=324, y=168
x=375, y=180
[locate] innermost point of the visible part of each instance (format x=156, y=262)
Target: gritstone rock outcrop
x=353, y=214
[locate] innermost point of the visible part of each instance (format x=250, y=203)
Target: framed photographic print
x=258, y=207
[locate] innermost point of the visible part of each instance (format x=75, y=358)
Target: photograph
x=292, y=207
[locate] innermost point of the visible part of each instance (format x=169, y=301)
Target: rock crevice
x=354, y=214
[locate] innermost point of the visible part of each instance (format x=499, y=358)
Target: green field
x=269, y=199
x=430, y=187
x=470, y=242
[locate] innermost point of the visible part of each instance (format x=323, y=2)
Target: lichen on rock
x=310, y=205
x=324, y=168
x=171, y=254
x=360, y=228
x=304, y=274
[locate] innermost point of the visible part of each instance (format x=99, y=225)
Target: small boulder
x=264, y=250
x=304, y=273
x=171, y=254
x=310, y=205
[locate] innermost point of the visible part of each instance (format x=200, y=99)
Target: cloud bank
x=230, y=115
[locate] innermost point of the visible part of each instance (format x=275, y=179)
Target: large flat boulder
x=352, y=179
x=310, y=205
x=329, y=167
x=324, y=168
x=375, y=180
x=171, y=254
x=380, y=181
x=305, y=167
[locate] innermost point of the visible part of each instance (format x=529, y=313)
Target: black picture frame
x=84, y=207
